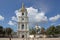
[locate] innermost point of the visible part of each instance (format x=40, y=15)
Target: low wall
x=30, y=39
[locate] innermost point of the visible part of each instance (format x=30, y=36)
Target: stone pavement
x=31, y=39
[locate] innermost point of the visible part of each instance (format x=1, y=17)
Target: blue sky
x=51, y=9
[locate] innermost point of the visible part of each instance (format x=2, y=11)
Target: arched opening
x=22, y=26
x=22, y=36
x=22, y=13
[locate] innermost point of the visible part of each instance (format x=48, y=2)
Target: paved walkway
x=31, y=39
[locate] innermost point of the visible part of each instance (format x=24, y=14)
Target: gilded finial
x=23, y=7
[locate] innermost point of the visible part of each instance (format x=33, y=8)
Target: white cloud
x=55, y=18
x=14, y=18
x=1, y=17
x=17, y=13
x=32, y=11
x=11, y=23
x=41, y=17
x=34, y=14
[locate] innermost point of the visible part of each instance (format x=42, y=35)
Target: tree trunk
x=9, y=37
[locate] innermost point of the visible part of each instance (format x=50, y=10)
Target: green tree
x=42, y=30
x=1, y=31
x=32, y=32
x=4, y=32
x=9, y=31
x=58, y=29
x=51, y=30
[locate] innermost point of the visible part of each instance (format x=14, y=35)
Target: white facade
x=23, y=29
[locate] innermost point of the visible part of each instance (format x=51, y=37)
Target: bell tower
x=23, y=29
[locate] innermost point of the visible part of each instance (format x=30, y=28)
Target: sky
x=43, y=12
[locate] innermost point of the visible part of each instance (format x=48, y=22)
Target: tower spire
x=23, y=6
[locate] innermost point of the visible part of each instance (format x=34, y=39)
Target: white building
x=23, y=29
x=38, y=28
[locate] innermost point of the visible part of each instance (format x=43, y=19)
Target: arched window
x=22, y=26
x=22, y=13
